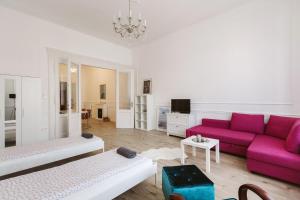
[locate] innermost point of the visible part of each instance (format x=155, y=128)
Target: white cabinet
x=144, y=112
x=20, y=111
x=31, y=110
x=177, y=123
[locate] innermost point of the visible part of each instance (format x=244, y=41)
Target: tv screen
x=181, y=106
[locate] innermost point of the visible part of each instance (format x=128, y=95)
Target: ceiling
x=94, y=17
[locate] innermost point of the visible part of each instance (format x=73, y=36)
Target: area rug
x=163, y=154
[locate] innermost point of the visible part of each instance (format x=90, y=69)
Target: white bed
x=18, y=158
x=102, y=177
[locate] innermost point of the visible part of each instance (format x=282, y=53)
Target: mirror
x=10, y=112
x=63, y=88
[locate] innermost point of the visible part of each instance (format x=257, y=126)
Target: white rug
x=163, y=154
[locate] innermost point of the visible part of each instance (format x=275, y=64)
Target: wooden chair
x=242, y=193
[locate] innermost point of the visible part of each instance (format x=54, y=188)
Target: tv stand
x=177, y=123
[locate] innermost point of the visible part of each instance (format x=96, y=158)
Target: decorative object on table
x=162, y=117
x=87, y=135
x=147, y=86
x=127, y=153
x=163, y=154
x=207, y=146
x=128, y=26
x=200, y=139
x=187, y=181
x=103, y=92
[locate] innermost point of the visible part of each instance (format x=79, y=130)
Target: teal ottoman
x=188, y=181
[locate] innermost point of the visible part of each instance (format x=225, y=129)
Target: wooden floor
x=227, y=176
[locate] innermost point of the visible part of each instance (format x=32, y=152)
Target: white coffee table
x=204, y=145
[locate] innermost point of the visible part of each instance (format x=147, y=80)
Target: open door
x=74, y=110
x=124, y=99
x=68, y=105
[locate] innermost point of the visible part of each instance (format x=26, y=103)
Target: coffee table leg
x=217, y=153
x=207, y=151
x=194, y=151
x=182, y=158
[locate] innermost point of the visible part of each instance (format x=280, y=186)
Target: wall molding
x=243, y=103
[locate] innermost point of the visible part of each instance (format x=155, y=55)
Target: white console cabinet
x=177, y=123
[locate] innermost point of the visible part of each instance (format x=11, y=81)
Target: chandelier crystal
x=129, y=27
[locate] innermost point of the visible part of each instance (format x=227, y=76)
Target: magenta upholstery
x=248, y=123
x=233, y=149
x=275, y=153
x=216, y=123
x=276, y=171
x=293, y=140
x=279, y=126
x=272, y=150
x=224, y=135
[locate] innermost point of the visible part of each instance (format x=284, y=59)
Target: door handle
x=23, y=112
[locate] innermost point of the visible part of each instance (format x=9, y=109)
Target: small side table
x=203, y=145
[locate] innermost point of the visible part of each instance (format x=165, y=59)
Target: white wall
x=296, y=55
x=237, y=61
x=91, y=79
x=24, y=40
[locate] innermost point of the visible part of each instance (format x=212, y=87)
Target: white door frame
x=125, y=114
x=74, y=127
x=53, y=54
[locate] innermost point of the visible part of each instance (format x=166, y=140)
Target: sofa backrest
x=279, y=126
x=216, y=123
x=248, y=123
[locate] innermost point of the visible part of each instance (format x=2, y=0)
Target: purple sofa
x=272, y=149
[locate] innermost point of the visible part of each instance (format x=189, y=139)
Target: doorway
x=98, y=96
x=70, y=107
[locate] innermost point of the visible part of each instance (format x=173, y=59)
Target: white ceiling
x=94, y=17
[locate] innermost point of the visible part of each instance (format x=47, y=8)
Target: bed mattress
x=103, y=176
x=18, y=158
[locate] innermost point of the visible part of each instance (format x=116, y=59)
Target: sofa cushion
x=272, y=150
x=224, y=135
x=279, y=126
x=216, y=123
x=248, y=123
x=293, y=140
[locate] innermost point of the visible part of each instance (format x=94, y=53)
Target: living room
x=208, y=87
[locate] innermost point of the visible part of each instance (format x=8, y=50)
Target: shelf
x=144, y=116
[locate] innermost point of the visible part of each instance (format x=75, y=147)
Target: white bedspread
x=18, y=158
x=18, y=152
x=64, y=181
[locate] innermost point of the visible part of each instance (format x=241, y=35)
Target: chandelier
x=128, y=26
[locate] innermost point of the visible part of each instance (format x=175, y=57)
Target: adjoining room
x=98, y=96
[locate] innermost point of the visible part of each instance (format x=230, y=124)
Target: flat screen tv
x=181, y=106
